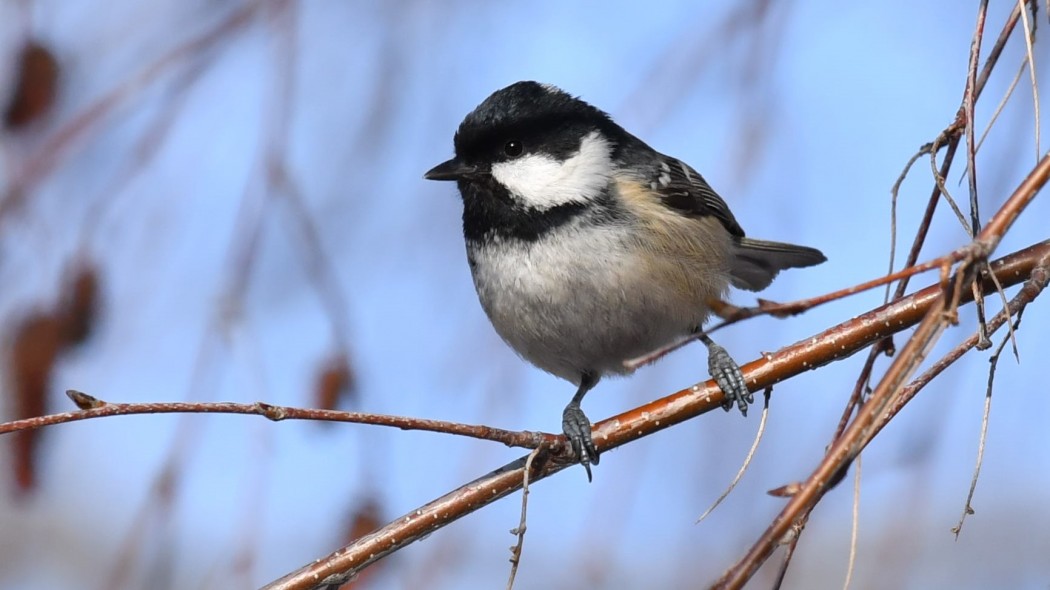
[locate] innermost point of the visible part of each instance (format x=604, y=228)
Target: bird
x=587, y=247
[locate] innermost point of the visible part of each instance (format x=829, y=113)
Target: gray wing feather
x=757, y=262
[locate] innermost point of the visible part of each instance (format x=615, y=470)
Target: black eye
x=513, y=148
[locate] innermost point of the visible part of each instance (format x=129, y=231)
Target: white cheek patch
x=542, y=182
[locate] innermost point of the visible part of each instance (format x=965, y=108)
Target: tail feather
x=757, y=262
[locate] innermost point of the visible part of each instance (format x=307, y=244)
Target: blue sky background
x=801, y=121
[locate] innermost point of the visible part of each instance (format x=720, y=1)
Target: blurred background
x=223, y=201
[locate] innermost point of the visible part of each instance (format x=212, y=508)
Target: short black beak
x=451, y=170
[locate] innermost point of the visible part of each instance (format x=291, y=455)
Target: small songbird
x=589, y=248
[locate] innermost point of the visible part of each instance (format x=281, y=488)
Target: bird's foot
x=578, y=432
x=729, y=378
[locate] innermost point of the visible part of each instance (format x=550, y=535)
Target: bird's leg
x=727, y=374
x=577, y=427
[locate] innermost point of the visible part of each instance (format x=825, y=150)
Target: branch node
x=786, y=490
x=84, y=401
x=275, y=413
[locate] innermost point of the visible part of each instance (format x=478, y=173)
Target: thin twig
x=951, y=137
x=969, y=100
x=862, y=386
x=792, y=544
x=515, y=551
x=747, y=460
x=1037, y=281
x=92, y=407
x=733, y=314
x=1031, y=70
x=984, y=344
x=983, y=439
x=894, y=197
x=855, y=526
x=939, y=179
x=998, y=110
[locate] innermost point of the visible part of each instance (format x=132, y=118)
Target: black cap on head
x=530, y=101
x=541, y=116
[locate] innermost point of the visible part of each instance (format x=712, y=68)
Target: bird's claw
x=729, y=378
x=578, y=432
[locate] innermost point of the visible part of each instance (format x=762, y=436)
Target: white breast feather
x=549, y=268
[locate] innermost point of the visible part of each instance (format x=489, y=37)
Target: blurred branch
x=36, y=166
